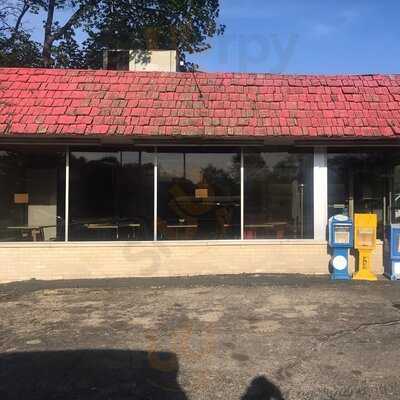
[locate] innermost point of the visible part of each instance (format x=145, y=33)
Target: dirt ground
x=227, y=337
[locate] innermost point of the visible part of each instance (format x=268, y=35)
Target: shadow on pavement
x=262, y=389
x=90, y=374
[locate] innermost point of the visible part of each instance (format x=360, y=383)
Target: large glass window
x=394, y=199
x=32, y=195
x=278, y=195
x=357, y=183
x=111, y=195
x=198, y=194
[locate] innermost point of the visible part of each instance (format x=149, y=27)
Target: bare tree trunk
x=24, y=10
x=48, y=36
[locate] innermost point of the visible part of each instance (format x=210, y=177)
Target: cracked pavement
x=225, y=337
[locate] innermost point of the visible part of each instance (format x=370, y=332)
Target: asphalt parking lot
x=227, y=337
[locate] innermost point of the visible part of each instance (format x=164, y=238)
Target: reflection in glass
x=395, y=193
x=111, y=196
x=198, y=195
x=32, y=195
x=342, y=234
x=278, y=195
x=356, y=184
x=366, y=237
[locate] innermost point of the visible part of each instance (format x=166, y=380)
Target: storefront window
x=395, y=194
x=111, y=196
x=278, y=195
x=357, y=184
x=198, y=194
x=32, y=195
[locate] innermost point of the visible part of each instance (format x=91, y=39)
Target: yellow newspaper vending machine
x=365, y=242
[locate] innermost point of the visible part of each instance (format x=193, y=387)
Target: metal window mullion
x=155, y=191
x=66, y=217
x=241, y=194
x=320, y=193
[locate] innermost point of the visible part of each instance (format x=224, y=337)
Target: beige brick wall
x=107, y=260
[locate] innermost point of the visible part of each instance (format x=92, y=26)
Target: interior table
x=181, y=228
x=104, y=227
x=35, y=232
x=251, y=230
x=115, y=227
x=133, y=227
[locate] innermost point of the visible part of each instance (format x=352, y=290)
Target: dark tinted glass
x=198, y=194
x=32, y=195
x=118, y=60
x=394, y=198
x=111, y=196
x=278, y=195
x=357, y=184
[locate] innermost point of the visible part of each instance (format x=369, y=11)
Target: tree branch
x=74, y=19
x=48, y=39
x=21, y=15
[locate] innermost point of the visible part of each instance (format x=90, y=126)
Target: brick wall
x=106, y=260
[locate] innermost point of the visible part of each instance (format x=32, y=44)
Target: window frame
x=310, y=151
x=53, y=150
x=119, y=152
x=190, y=151
x=155, y=148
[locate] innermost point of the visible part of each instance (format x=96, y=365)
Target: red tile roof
x=86, y=102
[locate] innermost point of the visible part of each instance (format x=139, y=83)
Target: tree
x=19, y=51
x=184, y=25
x=16, y=46
x=68, y=53
x=53, y=31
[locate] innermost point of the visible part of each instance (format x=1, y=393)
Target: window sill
x=166, y=243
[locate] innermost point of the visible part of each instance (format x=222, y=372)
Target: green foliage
x=68, y=53
x=17, y=49
x=184, y=25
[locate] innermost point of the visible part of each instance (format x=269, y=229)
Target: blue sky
x=306, y=36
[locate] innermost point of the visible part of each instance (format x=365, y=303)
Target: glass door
x=370, y=193
x=394, y=195
x=358, y=183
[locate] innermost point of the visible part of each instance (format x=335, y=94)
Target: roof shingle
x=87, y=102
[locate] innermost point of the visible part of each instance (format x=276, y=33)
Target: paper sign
x=21, y=198
x=201, y=193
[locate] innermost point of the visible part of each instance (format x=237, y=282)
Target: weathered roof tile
x=80, y=102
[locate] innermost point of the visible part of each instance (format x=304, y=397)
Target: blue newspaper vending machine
x=341, y=236
x=392, y=252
